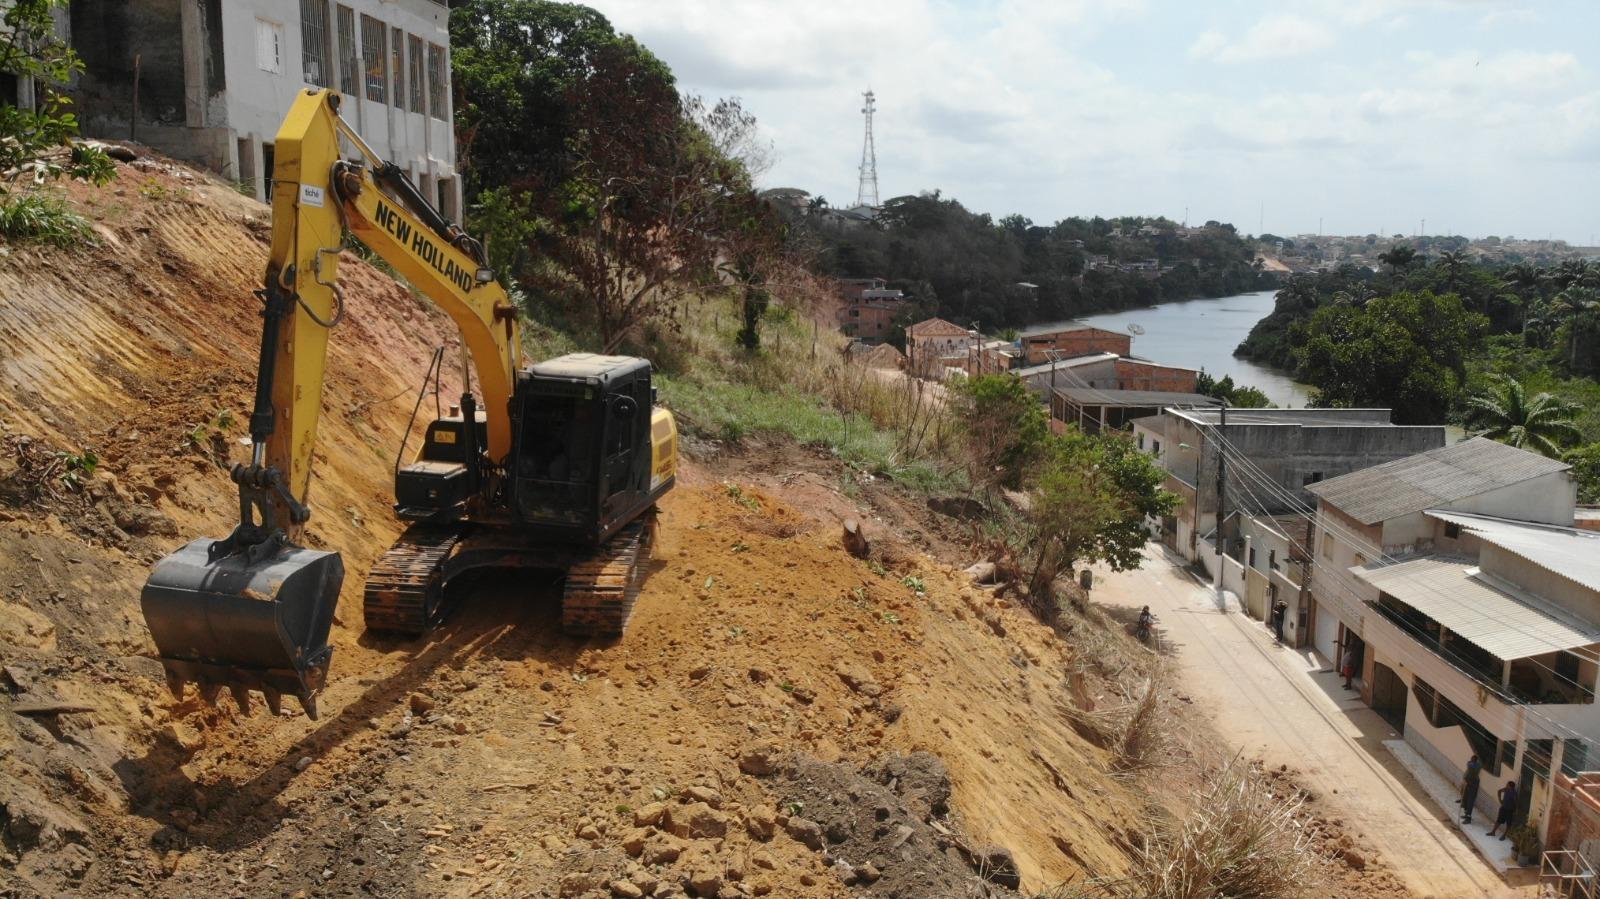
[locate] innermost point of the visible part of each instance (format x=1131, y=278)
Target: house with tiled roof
x=929, y=342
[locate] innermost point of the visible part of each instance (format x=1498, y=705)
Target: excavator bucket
x=244, y=624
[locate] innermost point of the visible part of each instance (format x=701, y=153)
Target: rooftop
x=1434, y=478
x=1568, y=552
x=1071, y=362
x=1092, y=396
x=937, y=327
x=1496, y=616
x=1305, y=418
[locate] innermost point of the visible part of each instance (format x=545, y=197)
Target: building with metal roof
x=1473, y=628
x=1439, y=477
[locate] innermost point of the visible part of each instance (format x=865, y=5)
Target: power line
x=1249, y=467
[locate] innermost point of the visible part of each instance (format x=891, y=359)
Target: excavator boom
x=252, y=612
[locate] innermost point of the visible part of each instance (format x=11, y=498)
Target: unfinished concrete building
x=209, y=81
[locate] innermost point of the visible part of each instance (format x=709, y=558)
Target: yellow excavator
x=558, y=468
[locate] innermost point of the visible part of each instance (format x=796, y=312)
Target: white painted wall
x=256, y=100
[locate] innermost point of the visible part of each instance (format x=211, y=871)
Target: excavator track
x=405, y=588
x=601, y=589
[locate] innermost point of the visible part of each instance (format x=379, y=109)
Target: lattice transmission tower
x=867, y=193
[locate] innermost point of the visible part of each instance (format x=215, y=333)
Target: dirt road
x=1278, y=704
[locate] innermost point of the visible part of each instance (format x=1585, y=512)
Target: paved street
x=1285, y=707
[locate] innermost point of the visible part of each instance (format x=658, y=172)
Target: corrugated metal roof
x=1069, y=362
x=1452, y=592
x=1433, y=478
x=1571, y=553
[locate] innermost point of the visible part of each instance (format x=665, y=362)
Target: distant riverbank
x=1202, y=334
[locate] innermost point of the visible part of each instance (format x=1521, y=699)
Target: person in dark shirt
x=1469, y=788
x=1508, y=807
x=1279, y=609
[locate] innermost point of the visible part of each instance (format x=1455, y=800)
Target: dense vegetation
x=965, y=266
x=37, y=145
x=1501, y=349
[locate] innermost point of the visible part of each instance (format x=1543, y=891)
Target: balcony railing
x=1572, y=694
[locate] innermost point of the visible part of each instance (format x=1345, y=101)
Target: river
x=1202, y=334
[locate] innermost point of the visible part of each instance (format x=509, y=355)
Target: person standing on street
x=1279, y=609
x=1469, y=788
x=1508, y=807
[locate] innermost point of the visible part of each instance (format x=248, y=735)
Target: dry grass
x=1243, y=841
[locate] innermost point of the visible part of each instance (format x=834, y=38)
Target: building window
x=437, y=81
x=1452, y=530
x=398, y=66
x=269, y=46
x=1272, y=560
x=314, y=41
x=1311, y=478
x=372, y=58
x=1252, y=561
x=414, y=74
x=1155, y=447
x=1141, y=440
x=348, y=62
x=1327, y=545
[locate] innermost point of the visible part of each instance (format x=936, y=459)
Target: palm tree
x=1398, y=257
x=1569, y=306
x=1358, y=294
x=1542, y=424
x=1454, y=262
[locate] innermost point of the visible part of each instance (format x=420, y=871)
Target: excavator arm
x=253, y=611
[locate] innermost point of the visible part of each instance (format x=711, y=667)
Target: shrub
x=41, y=218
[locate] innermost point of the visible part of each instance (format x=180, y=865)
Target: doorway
x=1389, y=696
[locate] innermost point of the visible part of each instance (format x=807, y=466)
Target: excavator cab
x=582, y=445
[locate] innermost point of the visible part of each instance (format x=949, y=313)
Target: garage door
x=1327, y=634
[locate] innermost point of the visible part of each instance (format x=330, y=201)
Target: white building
x=1470, y=607
x=215, y=78
x=1381, y=510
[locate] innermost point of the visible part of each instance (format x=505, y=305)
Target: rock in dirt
x=855, y=541
x=696, y=821
x=980, y=573
x=22, y=627
x=920, y=779
x=878, y=820
x=421, y=703
x=762, y=760
x=806, y=832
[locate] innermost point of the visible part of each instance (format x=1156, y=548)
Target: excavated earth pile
x=781, y=718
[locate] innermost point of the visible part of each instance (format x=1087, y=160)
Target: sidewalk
x=1287, y=707
x=1498, y=852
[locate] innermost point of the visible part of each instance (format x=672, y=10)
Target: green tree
x=1585, y=462
x=1088, y=503
x=1542, y=423
x=1398, y=257
x=1004, y=426
x=1407, y=352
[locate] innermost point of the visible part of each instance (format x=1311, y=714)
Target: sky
x=1366, y=116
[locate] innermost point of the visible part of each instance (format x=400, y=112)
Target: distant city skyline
x=1481, y=117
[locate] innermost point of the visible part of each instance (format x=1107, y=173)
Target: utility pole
x=1222, y=483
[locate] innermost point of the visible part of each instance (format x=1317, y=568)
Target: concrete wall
x=1038, y=348
x=206, y=98
x=1554, y=587
x=1134, y=375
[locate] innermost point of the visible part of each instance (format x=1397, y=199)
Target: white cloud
x=1274, y=37
x=1504, y=18
x=1061, y=108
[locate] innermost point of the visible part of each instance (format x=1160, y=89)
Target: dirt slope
x=497, y=758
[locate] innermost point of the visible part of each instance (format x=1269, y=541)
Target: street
x=1286, y=707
